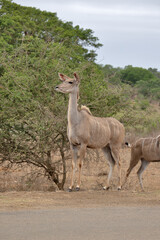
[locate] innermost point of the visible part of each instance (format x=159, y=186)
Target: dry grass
x=94, y=175
x=24, y=178
x=84, y=199
x=13, y=183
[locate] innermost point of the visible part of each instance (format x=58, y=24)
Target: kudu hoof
x=77, y=189
x=119, y=188
x=69, y=189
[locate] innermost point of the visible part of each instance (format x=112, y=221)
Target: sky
x=128, y=29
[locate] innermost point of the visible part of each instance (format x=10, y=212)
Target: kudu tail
x=128, y=144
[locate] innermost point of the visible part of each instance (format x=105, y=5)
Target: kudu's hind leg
x=116, y=156
x=143, y=166
x=133, y=163
x=107, y=154
x=74, y=153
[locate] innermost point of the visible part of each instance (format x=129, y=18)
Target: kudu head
x=68, y=85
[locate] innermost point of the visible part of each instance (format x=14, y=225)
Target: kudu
x=86, y=131
x=147, y=150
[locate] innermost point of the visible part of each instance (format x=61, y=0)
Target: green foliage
x=34, y=46
x=146, y=81
x=150, y=88
x=132, y=75
x=144, y=104
x=155, y=72
x=135, y=110
x=17, y=23
x=112, y=74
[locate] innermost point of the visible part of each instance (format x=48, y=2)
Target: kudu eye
x=70, y=82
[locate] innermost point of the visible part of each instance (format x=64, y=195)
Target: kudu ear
x=63, y=77
x=76, y=77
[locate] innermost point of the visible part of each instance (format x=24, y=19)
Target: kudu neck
x=72, y=108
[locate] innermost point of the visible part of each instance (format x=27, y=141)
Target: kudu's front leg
x=82, y=152
x=74, y=153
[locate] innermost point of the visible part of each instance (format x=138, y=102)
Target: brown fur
x=147, y=150
x=85, y=130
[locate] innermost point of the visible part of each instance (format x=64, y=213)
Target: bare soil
x=94, y=176
x=82, y=199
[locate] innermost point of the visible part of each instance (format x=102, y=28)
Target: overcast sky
x=128, y=29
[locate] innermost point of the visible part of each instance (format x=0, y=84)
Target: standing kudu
x=86, y=131
x=147, y=150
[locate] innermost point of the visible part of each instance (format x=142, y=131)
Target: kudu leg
x=107, y=154
x=133, y=163
x=74, y=153
x=116, y=157
x=143, y=166
x=82, y=152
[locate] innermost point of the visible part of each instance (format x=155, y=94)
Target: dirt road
x=114, y=215
x=116, y=223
